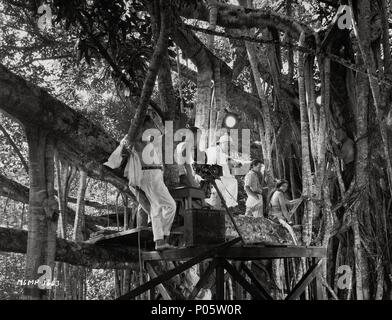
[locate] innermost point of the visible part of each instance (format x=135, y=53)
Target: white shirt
x=215, y=155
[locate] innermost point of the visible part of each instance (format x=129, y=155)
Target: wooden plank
x=212, y=285
x=239, y=253
x=126, y=238
x=174, y=254
x=320, y=293
x=181, y=268
x=242, y=281
x=260, y=267
x=185, y=192
x=203, y=280
x=219, y=280
x=258, y=252
x=238, y=290
x=162, y=290
x=305, y=281
x=256, y=282
x=287, y=273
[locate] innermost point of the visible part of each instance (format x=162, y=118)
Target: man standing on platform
x=163, y=206
x=254, y=188
x=227, y=184
x=145, y=175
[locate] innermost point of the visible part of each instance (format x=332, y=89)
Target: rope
x=22, y=217
x=117, y=217
x=106, y=201
x=179, y=80
x=140, y=260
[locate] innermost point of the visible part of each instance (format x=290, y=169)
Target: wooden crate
x=204, y=226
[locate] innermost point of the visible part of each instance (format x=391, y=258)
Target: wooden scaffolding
x=230, y=256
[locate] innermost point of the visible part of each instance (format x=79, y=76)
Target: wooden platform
x=239, y=252
x=218, y=257
x=247, y=252
x=129, y=238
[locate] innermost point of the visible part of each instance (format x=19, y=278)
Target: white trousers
x=254, y=207
x=163, y=206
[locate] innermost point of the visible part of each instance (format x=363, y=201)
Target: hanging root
x=290, y=230
x=213, y=16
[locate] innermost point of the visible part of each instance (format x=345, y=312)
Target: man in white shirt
x=227, y=184
x=162, y=204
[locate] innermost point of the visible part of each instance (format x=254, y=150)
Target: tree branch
x=79, y=254
x=17, y=192
x=299, y=48
x=79, y=141
x=15, y=147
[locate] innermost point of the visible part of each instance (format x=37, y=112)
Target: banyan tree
x=311, y=80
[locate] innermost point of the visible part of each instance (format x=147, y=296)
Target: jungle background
x=69, y=91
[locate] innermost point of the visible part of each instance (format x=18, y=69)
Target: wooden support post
x=287, y=273
x=305, y=281
x=319, y=290
x=203, y=280
x=219, y=280
x=242, y=281
x=238, y=290
x=181, y=268
x=150, y=294
x=256, y=282
x=161, y=288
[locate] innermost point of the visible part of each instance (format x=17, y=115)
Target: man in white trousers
x=163, y=206
x=227, y=184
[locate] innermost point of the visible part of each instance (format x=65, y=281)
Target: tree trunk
x=78, y=232
x=149, y=82
x=43, y=215
x=363, y=34
x=79, y=273
x=168, y=102
x=361, y=173
x=203, y=100
x=306, y=168
x=65, y=175
x=266, y=129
